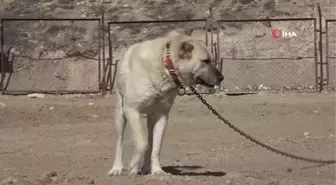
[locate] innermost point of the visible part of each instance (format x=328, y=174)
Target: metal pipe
x=114, y=74
x=218, y=49
x=266, y=20
x=50, y=19
x=315, y=53
x=99, y=54
x=104, y=71
x=110, y=57
x=327, y=52
x=320, y=46
x=23, y=92
x=156, y=21
x=206, y=33
x=2, y=59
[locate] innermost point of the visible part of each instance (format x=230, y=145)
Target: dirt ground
x=71, y=140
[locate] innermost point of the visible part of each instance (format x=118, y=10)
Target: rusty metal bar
x=218, y=49
x=270, y=58
x=104, y=71
x=24, y=92
x=156, y=21
x=221, y=65
x=315, y=54
x=320, y=46
x=265, y=20
x=210, y=18
x=99, y=53
x=2, y=59
x=206, y=33
x=51, y=19
x=110, y=57
x=327, y=52
x=114, y=75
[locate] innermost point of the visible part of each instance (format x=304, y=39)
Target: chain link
x=311, y=160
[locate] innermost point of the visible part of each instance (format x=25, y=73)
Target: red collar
x=170, y=67
x=172, y=71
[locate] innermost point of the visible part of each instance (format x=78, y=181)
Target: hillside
x=64, y=54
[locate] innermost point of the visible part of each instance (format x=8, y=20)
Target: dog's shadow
x=187, y=170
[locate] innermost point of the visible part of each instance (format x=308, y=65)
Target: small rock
x=36, y=95
x=48, y=176
x=83, y=177
x=318, y=173
x=232, y=175
x=253, y=181
x=51, y=108
x=187, y=178
x=95, y=116
x=91, y=181
x=249, y=88
x=331, y=135
x=289, y=170
x=260, y=86
x=228, y=181
x=238, y=88
x=91, y=104
x=316, y=111
x=164, y=178
x=265, y=88
x=9, y=180
x=306, y=134
x=2, y=105
x=54, y=179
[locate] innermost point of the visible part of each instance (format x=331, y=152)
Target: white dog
x=148, y=79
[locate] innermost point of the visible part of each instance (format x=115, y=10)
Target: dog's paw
x=158, y=172
x=134, y=171
x=115, y=171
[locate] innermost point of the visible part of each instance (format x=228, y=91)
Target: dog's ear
x=186, y=50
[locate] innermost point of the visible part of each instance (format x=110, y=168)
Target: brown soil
x=64, y=140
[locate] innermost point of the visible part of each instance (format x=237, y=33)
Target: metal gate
x=30, y=66
x=330, y=54
x=254, y=60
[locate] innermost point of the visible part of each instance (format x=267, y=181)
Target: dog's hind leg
x=156, y=123
x=120, y=123
x=146, y=169
x=139, y=136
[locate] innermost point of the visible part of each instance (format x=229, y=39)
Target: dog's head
x=193, y=61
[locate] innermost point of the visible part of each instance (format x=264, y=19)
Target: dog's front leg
x=138, y=131
x=120, y=123
x=158, y=133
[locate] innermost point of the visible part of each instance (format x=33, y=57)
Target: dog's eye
x=207, y=61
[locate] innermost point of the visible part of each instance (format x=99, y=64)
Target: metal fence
x=254, y=59
x=330, y=55
x=61, y=60
x=64, y=60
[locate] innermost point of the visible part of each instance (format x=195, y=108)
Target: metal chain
x=311, y=160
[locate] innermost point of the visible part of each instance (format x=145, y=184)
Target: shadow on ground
x=186, y=170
